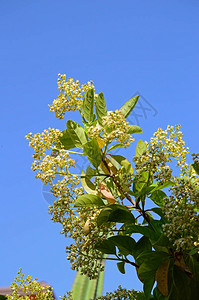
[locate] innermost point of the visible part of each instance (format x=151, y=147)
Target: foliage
x=103, y=207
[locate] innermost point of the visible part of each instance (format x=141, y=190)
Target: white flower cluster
x=121, y=293
x=70, y=95
x=115, y=128
x=182, y=219
x=29, y=286
x=165, y=146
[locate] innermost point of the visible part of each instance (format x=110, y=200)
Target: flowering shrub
x=102, y=208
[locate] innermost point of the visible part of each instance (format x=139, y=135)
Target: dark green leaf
x=158, y=211
x=157, y=295
x=163, y=241
x=125, y=244
x=115, y=213
x=134, y=129
x=127, y=108
x=2, y=297
x=196, y=167
x=141, y=296
x=87, y=106
x=120, y=266
x=144, y=230
x=148, y=285
x=92, y=150
x=142, y=245
x=77, y=134
x=106, y=247
x=66, y=140
x=88, y=200
x=101, y=109
x=140, y=148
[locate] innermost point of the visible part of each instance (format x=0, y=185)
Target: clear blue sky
x=124, y=47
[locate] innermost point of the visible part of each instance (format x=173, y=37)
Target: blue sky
x=125, y=47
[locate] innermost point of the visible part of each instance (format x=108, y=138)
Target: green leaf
x=127, y=108
x=120, y=266
x=115, y=213
x=196, y=167
x=140, y=148
x=181, y=286
x=142, y=245
x=156, y=187
x=158, y=211
x=123, y=161
x=141, y=296
x=88, y=200
x=66, y=140
x=141, y=181
x=144, y=230
x=134, y=129
x=106, y=247
x=92, y=150
x=90, y=172
x=77, y=134
x=101, y=110
x=2, y=297
x=87, y=106
x=158, y=197
x=87, y=184
x=115, y=147
x=148, y=285
x=125, y=244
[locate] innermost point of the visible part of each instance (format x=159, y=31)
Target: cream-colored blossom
x=29, y=286
x=70, y=97
x=115, y=128
x=182, y=219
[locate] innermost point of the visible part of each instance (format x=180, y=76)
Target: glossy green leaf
x=90, y=172
x=101, y=109
x=125, y=244
x=140, y=148
x=123, y=161
x=158, y=211
x=87, y=184
x=158, y=197
x=142, y=245
x=115, y=147
x=77, y=134
x=156, y=187
x=127, y=108
x=115, y=213
x=66, y=140
x=87, y=105
x=92, y=150
x=88, y=200
x=196, y=167
x=144, y=230
x=134, y=129
x=148, y=285
x=141, y=181
x=106, y=246
x=120, y=266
